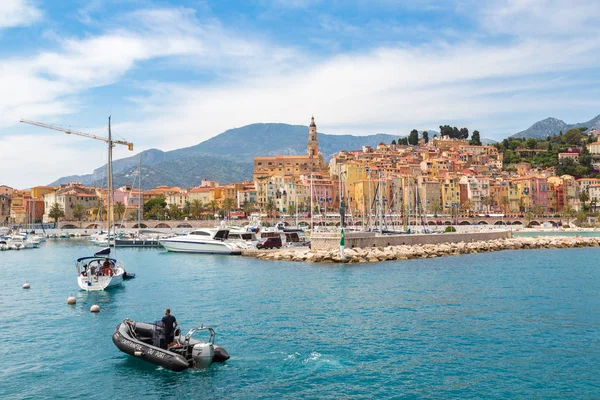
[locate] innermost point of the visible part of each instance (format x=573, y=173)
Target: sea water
x=503, y=325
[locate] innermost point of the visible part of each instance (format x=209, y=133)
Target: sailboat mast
x=140, y=208
x=110, y=182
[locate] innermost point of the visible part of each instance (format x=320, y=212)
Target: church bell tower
x=313, y=141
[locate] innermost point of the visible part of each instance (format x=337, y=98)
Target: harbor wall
x=331, y=241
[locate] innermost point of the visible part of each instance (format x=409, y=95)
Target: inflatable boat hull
x=146, y=352
x=131, y=344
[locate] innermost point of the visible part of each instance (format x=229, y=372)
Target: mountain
x=488, y=142
x=227, y=157
x=552, y=126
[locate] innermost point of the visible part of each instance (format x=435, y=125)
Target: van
x=270, y=243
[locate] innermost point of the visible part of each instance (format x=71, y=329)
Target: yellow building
x=450, y=188
x=39, y=191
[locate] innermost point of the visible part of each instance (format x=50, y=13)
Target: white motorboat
x=202, y=240
x=3, y=245
x=18, y=242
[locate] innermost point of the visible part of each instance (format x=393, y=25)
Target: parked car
x=270, y=243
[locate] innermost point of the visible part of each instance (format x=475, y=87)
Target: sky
x=175, y=73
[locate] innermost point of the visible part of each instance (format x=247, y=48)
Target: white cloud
x=497, y=88
x=18, y=13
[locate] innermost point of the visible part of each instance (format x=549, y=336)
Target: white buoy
x=95, y=308
x=26, y=285
x=71, y=300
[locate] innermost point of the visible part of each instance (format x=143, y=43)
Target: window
x=199, y=233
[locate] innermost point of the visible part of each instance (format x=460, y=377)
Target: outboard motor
x=203, y=354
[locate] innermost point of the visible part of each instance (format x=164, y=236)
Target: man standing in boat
x=169, y=323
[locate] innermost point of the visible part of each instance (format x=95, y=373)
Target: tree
x=426, y=136
x=505, y=203
x=56, y=212
x=157, y=212
x=528, y=218
x=475, y=139
x=291, y=209
x=174, y=211
x=394, y=142
x=585, y=158
x=403, y=141
x=269, y=207
x=413, y=137
x=531, y=143
x=247, y=207
x=120, y=210
x=463, y=133
x=583, y=197
x=486, y=201
x=213, y=206
x=153, y=203
x=572, y=137
x=133, y=214
x=196, y=208
x=79, y=212
x=228, y=205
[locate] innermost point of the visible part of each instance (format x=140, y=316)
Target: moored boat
x=207, y=241
x=147, y=342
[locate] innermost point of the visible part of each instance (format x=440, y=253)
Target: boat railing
x=189, y=335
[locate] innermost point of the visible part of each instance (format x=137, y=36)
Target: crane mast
x=110, y=143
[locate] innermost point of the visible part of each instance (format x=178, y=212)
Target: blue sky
x=175, y=73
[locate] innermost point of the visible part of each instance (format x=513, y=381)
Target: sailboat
x=99, y=272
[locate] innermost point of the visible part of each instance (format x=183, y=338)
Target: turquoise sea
x=504, y=325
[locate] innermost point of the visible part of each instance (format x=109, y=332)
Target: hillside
x=226, y=158
x=552, y=126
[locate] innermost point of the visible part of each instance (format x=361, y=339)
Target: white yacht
x=202, y=240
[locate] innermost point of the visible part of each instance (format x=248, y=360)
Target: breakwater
x=407, y=252
x=361, y=239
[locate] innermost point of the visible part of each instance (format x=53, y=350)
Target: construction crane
x=111, y=143
x=73, y=132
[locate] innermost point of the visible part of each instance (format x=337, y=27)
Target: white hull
x=205, y=247
x=92, y=283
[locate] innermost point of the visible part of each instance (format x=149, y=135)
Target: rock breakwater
x=389, y=253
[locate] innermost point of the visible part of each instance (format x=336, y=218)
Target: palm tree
x=270, y=207
x=156, y=211
x=247, y=207
x=55, y=213
x=79, y=213
x=594, y=204
x=486, y=201
x=174, y=211
x=120, y=210
x=528, y=218
x=583, y=197
x=505, y=203
x=196, y=208
x=213, y=206
x=228, y=205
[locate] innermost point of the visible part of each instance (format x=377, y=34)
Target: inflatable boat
x=147, y=341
